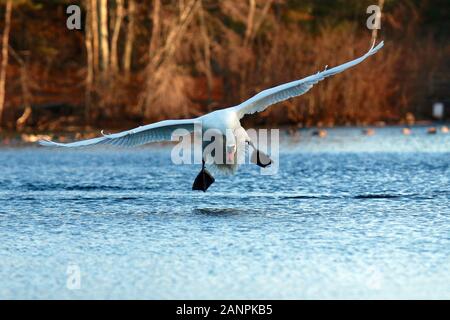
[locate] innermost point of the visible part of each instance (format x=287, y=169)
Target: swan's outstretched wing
x=265, y=98
x=159, y=131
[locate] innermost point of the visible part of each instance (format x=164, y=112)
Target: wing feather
x=265, y=98
x=160, y=131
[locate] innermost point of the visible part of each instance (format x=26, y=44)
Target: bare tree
x=207, y=51
x=254, y=21
x=262, y=17
x=164, y=80
x=4, y=62
x=95, y=33
x=25, y=87
x=250, y=22
x=115, y=36
x=104, y=34
x=90, y=59
x=156, y=28
x=176, y=33
x=131, y=12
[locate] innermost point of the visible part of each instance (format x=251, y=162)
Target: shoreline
x=29, y=138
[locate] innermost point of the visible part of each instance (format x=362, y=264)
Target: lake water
x=347, y=216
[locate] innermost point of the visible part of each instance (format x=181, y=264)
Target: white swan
x=226, y=121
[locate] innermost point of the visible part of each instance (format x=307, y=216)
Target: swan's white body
x=223, y=120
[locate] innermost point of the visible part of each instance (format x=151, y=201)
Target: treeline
x=141, y=61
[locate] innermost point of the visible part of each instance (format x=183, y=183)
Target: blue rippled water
x=347, y=216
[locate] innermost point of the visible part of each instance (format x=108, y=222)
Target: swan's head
x=231, y=151
x=230, y=146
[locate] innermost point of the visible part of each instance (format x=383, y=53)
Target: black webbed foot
x=261, y=159
x=203, y=181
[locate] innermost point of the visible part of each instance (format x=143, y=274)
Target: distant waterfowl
x=369, y=132
x=321, y=133
x=432, y=130
x=225, y=121
x=444, y=129
x=406, y=131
